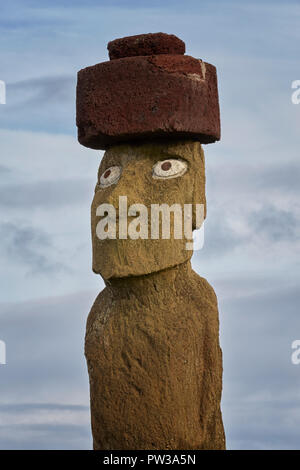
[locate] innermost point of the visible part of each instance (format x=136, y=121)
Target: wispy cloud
x=28, y=246
x=46, y=194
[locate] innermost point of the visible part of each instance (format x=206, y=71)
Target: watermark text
x=2, y=92
x=2, y=352
x=295, y=357
x=135, y=222
x=296, y=94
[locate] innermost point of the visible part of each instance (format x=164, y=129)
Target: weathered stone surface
x=147, y=97
x=121, y=258
x=155, y=365
x=145, y=44
x=152, y=337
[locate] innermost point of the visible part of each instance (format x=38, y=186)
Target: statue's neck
x=167, y=280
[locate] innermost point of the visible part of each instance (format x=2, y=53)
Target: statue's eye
x=167, y=169
x=110, y=176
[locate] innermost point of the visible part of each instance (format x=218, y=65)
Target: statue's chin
x=124, y=258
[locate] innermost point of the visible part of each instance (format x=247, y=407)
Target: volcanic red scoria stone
x=145, y=44
x=147, y=97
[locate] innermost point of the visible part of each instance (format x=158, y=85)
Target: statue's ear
x=199, y=187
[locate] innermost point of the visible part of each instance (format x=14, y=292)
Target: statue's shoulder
x=203, y=290
x=99, y=307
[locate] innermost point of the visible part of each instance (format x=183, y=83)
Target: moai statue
x=152, y=337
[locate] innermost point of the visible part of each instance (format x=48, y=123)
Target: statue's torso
x=155, y=364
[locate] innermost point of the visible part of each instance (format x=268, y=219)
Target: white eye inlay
x=171, y=168
x=110, y=176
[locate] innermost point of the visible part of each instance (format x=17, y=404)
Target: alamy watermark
x=154, y=225
x=295, y=357
x=2, y=343
x=2, y=92
x=2, y=352
x=296, y=94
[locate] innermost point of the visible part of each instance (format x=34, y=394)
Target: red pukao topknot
x=148, y=90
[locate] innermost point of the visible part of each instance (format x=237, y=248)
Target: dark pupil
x=107, y=173
x=166, y=166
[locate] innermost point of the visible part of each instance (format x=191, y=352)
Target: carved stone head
x=156, y=183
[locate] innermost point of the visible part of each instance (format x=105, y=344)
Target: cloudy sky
x=251, y=253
